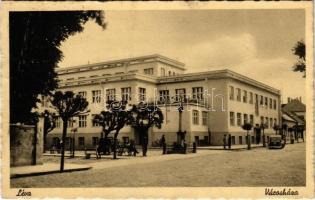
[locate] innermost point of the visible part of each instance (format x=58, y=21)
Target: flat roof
x=121, y=62
x=216, y=74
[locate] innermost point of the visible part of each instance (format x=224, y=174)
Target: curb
x=19, y=175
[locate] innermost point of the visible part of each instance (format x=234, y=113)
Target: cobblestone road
x=257, y=167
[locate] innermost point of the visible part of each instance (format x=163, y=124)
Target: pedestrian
x=162, y=140
x=132, y=148
x=163, y=144
x=230, y=141
x=98, y=151
x=224, y=141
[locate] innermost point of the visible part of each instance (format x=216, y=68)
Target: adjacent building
x=294, y=113
x=215, y=102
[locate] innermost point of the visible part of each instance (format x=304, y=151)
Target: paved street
x=257, y=167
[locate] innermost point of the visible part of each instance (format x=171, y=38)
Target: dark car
x=276, y=142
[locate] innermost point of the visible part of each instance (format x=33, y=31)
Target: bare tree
x=144, y=117
x=68, y=105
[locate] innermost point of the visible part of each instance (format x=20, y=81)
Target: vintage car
x=276, y=142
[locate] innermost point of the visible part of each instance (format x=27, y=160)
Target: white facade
x=207, y=107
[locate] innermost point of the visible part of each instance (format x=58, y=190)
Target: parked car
x=276, y=142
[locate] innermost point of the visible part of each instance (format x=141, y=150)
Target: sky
x=255, y=43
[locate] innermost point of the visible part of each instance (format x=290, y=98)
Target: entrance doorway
x=137, y=135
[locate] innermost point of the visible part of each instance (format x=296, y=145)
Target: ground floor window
x=81, y=141
x=197, y=140
x=233, y=140
x=240, y=139
x=94, y=141
x=67, y=142
x=206, y=139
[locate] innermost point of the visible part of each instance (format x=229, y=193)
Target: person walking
x=162, y=140
x=230, y=141
x=98, y=151
x=163, y=144
x=132, y=148
x=224, y=141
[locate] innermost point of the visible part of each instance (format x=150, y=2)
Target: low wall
x=22, y=146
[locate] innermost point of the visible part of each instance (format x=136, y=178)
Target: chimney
x=289, y=99
x=300, y=98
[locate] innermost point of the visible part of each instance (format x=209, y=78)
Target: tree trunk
x=115, y=146
x=34, y=152
x=64, y=133
x=144, y=136
x=45, y=141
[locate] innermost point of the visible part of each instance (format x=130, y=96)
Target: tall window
x=162, y=71
x=262, y=120
x=111, y=94
x=96, y=96
x=142, y=94
x=251, y=119
x=256, y=105
x=180, y=94
x=245, y=96
x=266, y=102
x=94, y=141
x=240, y=139
x=204, y=118
x=251, y=101
x=231, y=93
x=82, y=121
x=197, y=93
x=148, y=71
x=261, y=100
x=195, y=117
x=164, y=95
x=83, y=94
x=275, y=122
x=81, y=141
x=270, y=103
x=239, y=119
x=169, y=73
x=232, y=119
x=94, y=124
x=238, y=95
x=271, y=122
x=126, y=94
x=267, y=122
x=67, y=141
x=275, y=104
x=245, y=118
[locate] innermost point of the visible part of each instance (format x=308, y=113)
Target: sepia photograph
x=159, y=98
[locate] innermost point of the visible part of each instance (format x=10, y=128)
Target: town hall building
x=215, y=102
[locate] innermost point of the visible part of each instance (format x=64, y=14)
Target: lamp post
x=263, y=126
x=181, y=134
x=248, y=127
x=74, y=130
x=276, y=128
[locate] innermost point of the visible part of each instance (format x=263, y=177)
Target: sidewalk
x=233, y=147
x=46, y=168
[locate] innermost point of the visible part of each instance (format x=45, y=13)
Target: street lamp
x=181, y=134
x=248, y=127
x=263, y=126
x=74, y=130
